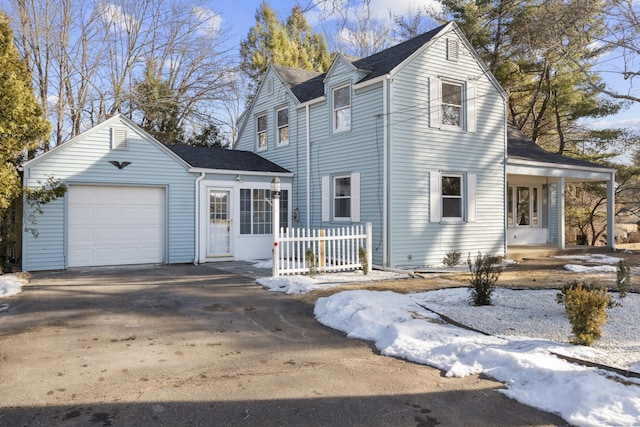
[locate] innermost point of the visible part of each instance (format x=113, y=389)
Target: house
x=413, y=139
x=133, y=200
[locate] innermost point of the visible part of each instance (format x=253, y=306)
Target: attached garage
x=129, y=200
x=115, y=225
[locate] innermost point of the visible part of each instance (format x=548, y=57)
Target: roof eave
x=242, y=171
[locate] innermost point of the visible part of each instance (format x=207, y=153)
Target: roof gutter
x=243, y=172
x=366, y=83
x=311, y=102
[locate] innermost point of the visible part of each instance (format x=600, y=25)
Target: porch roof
x=525, y=157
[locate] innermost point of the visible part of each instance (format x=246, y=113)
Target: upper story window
x=452, y=201
x=282, y=118
x=342, y=197
x=261, y=130
x=342, y=108
x=451, y=104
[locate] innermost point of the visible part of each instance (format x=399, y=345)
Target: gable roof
x=109, y=122
x=224, y=159
x=520, y=146
x=308, y=85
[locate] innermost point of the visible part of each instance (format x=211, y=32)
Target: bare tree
x=356, y=32
x=88, y=58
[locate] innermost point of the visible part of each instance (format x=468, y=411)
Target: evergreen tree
x=161, y=112
x=537, y=55
x=291, y=43
x=209, y=136
x=23, y=129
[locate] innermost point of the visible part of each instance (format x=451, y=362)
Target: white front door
x=219, y=223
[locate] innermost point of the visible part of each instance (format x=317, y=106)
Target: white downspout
x=308, y=136
x=196, y=258
x=385, y=190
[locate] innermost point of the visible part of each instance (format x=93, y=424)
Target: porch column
x=611, y=214
x=561, y=213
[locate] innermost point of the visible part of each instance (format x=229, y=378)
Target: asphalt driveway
x=204, y=345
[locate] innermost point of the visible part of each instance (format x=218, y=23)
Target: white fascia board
x=558, y=170
x=241, y=172
x=311, y=102
x=371, y=82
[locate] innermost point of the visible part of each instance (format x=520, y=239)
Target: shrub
x=362, y=257
x=451, y=259
x=312, y=262
x=587, y=312
x=561, y=296
x=623, y=279
x=483, y=278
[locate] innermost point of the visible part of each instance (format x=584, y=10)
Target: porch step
x=538, y=251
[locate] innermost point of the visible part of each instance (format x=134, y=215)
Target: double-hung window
x=261, y=130
x=452, y=197
x=342, y=108
x=282, y=118
x=342, y=197
x=451, y=104
x=452, y=201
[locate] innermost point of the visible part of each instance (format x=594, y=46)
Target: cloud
x=209, y=21
x=114, y=15
x=380, y=9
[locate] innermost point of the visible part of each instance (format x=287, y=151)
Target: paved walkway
x=198, y=345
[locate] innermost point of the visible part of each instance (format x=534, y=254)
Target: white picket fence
x=335, y=249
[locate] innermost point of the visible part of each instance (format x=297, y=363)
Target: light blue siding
x=417, y=148
x=85, y=160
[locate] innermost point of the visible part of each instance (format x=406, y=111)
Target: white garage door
x=115, y=225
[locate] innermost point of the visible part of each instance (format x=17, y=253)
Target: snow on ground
x=400, y=326
x=11, y=284
x=600, y=259
x=526, y=328
x=302, y=284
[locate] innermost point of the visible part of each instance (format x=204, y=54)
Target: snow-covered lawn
x=527, y=329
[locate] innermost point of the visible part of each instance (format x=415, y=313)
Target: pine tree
x=291, y=43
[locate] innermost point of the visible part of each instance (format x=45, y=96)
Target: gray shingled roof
x=223, y=159
x=308, y=85
x=520, y=146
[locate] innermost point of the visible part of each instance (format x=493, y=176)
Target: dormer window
x=342, y=108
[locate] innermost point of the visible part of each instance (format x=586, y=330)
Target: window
x=525, y=211
x=261, y=125
x=256, y=209
x=451, y=104
x=452, y=197
x=282, y=117
x=342, y=197
x=342, y=108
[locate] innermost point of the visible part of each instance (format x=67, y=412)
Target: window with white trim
x=452, y=197
x=256, y=210
x=451, y=104
x=342, y=108
x=452, y=200
x=282, y=119
x=261, y=131
x=342, y=197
